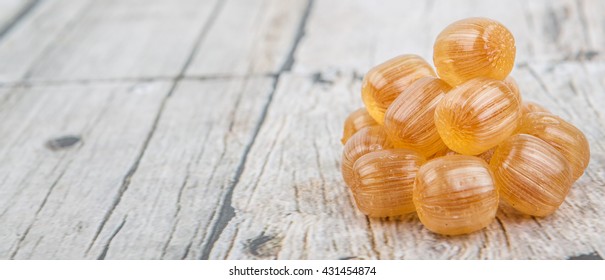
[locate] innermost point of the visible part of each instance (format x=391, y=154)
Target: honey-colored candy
x=513, y=86
x=455, y=194
x=383, y=83
x=368, y=139
x=356, y=121
x=487, y=155
x=474, y=47
x=384, y=180
x=531, y=175
x=530, y=107
x=565, y=137
x=477, y=115
x=410, y=120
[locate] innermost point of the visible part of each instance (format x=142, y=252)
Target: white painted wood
x=119, y=39
x=251, y=37
x=222, y=152
x=178, y=190
x=34, y=35
x=52, y=202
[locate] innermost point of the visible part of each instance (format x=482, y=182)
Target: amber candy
x=529, y=107
x=383, y=83
x=477, y=115
x=368, y=139
x=455, y=194
x=474, y=47
x=410, y=120
x=532, y=176
x=384, y=180
x=563, y=136
x=356, y=121
x=513, y=86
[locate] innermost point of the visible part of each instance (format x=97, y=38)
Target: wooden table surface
x=135, y=129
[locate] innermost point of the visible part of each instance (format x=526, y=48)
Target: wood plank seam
x=227, y=212
x=126, y=180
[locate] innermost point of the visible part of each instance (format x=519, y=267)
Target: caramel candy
x=513, y=86
x=410, y=120
x=532, y=176
x=474, y=47
x=530, y=107
x=368, y=139
x=563, y=136
x=477, y=115
x=384, y=180
x=455, y=194
x=356, y=121
x=383, y=83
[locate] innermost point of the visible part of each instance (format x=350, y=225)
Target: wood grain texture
x=53, y=199
x=254, y=37
x=210, y=129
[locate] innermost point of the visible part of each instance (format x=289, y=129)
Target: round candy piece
x=455, y=194
x=368, y=139
x=477, y=115
x=383, y=83
x=356, y=121
x=474, y=47
x=531, y=175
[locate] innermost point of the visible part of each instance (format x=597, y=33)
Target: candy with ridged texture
x=487, y=155
x=455, y=194
x=477, y=115
x=513, y=86
x=368, y=139
x=356, y=121
x=474, y=47
x=532, y=176
x=410, y=120
x=563, y=136
x=383, y=83
x=530, y=107
x=384, y=180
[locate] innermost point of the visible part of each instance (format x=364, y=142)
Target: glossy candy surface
x=532, y=176
x=563, y=136
x=383, y=83
x=455, y=194
x=474, y=47
x=384, y=180
x=356, y=121
x=368, y=139
x=530, y=107
x=410, y=120
x=513, y=86
x=477, y=115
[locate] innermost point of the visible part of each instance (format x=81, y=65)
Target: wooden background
x=135, y=129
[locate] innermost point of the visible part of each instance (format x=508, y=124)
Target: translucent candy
x=565, y=137
x=383, y=83
x=384, y=180
x=513, y=86
x=531, y=175
x=368, y=139
x=474, y=47
x=410, y=120
x=477, y=115
x=455, y=194
x=356, y=121
x=530, y=107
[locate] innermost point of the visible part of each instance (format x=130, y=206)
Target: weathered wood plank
x=291, y=202
x=124, y=39
x=31, y=38
x=54, y=195
x=363, y=33
x=249, y=37
x=189, y=167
